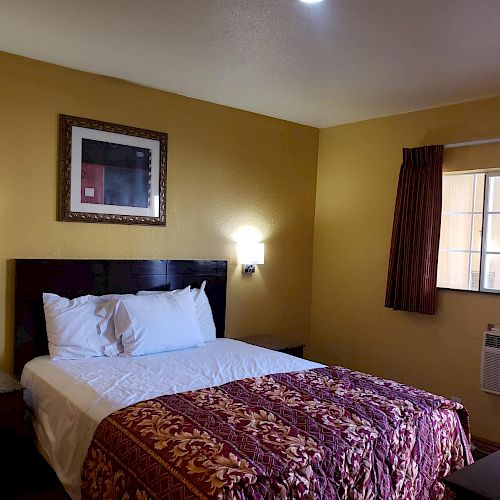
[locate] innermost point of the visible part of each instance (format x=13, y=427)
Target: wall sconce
x=250, y=254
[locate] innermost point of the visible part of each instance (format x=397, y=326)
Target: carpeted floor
x=482, y=448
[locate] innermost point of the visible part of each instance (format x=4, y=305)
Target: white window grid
x=485, y=279
x=469, y=252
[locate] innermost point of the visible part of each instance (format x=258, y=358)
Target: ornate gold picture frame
x=111, y=173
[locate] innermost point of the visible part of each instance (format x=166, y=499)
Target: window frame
x=484, y=230
x=484, y=235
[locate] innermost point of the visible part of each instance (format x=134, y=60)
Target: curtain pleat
x=412, y=275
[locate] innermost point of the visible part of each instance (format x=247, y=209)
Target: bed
x=223, y=420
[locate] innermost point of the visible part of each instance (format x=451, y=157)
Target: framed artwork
x=111, y=173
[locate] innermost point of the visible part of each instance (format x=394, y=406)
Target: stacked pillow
x=79, y=328
x=127, y=325
x=202, y=308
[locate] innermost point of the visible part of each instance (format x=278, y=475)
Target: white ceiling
x=334, y=62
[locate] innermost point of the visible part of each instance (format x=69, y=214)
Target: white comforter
x=69, y=398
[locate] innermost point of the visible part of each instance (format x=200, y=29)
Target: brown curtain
x=411, y=280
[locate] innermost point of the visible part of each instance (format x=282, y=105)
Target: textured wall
x=358, y=170
x=226, y=168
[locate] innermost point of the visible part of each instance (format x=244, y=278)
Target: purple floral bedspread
x=328, y=433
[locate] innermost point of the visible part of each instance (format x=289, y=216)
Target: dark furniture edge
x=477, y=480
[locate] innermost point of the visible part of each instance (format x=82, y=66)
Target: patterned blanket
x=328, y=433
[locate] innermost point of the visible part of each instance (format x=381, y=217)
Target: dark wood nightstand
x=478, y=480
x=26, y=475
x=11, y=405
x=276, y=344
x=14, y=434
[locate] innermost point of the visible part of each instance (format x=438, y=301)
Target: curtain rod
x=472, y=143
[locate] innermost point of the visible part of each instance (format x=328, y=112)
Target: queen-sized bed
x=224, y=419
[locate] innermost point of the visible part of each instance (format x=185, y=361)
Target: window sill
x=481, y=292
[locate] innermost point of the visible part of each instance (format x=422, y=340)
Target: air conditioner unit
x=490, y=363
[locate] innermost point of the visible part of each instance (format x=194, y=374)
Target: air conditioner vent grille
x=490, y=363
x=491, y=340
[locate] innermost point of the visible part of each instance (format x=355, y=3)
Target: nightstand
x=276, y=344
x=14, y=434
x=478, y=480
x=23, y=458
x=11, y=405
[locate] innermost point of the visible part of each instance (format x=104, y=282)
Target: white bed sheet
x=69, y=398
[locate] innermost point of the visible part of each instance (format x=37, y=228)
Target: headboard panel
x=72, y=278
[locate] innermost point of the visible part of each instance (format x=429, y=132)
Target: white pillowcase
x=204, y=313
x=80, y=327
x=156, y=323
x=203, y=309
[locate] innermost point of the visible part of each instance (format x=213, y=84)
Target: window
x=469, y=248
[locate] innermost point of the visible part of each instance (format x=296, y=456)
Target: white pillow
x=80, y=327
x=156, y=292
x=203, y=309
x=156, y=323
x=204, y=313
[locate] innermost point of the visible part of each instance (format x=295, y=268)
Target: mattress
x=69, y=398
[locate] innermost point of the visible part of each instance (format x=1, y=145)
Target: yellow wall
x=358, y=169
x=226, y=168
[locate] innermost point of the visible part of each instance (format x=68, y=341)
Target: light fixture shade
x=250, y=253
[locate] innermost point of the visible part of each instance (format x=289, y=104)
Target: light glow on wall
x=247, y=234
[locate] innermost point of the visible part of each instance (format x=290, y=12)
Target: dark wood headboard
x=72, y=278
